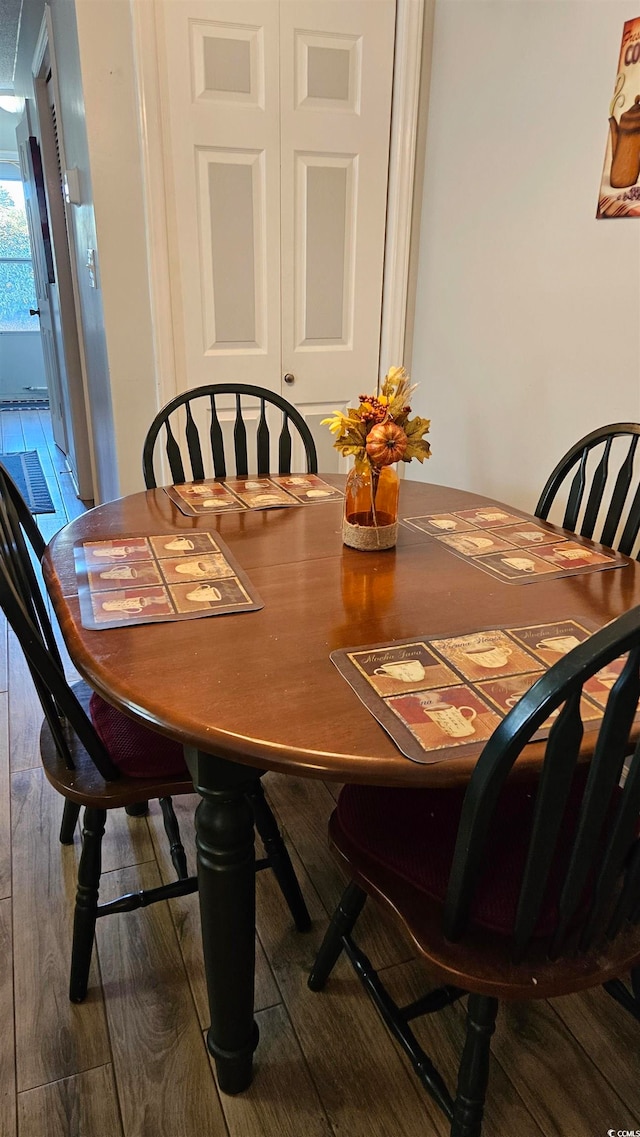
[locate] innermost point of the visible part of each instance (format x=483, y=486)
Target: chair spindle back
x=590, y=855
x=26, y=612
x=600, y=504
x=192, y=404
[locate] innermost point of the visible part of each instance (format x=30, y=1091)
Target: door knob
x=289, y=378
x=34, y=311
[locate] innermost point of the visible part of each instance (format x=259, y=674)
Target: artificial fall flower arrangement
x=379, y=431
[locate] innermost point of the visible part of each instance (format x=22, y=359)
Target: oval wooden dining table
x=257, y=690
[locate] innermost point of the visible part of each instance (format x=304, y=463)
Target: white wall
x=21, y=366
x=105, y=37
x=8, y=131
x=527, y=314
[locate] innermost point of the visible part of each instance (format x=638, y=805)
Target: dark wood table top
x=259, y=687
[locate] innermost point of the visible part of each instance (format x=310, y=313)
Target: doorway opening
x=22, y=373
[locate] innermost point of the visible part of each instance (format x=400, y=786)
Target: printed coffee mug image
x=115, y=551
x=180, y=545
x=196, y=568
x=561, y=644
x=131, y=603
x=319, y=493
x=529, y=535
x=267, y=499
x=452, y=720
x=491, y=515
x=523, y=564
x=205, y=592
x=473, y=544
x=124, y=573
x=489, y=657
x=573, y=554
x=444, y=523
x=407, y=670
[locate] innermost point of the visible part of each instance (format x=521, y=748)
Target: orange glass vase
x=371, y=508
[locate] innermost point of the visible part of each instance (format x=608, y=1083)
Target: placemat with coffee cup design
x=512, y=548
x=150, y=580
x=432, y=695
x=232, y=494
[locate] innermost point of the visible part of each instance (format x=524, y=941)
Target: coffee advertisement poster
x=619, y=189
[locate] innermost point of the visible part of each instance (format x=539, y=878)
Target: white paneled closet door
x=276, y=120
x=336, y=63
x=219, y=70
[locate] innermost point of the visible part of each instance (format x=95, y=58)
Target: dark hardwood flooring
x=131, y=1061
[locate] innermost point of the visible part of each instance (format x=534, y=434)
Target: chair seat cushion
x=412, y=833
x=137, y=751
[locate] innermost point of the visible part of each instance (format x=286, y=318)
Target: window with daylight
x=17, y=291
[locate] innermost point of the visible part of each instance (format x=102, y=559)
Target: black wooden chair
x=36, y=541
x=521, y=887
x=602, y=500
x=99, y=758
x=196, y=414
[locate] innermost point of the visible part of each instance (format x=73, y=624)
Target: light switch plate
x=71, y=183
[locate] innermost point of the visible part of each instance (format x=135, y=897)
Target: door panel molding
x=211, y=40
x=325, y=194
x=323, y=80
x=233, y=253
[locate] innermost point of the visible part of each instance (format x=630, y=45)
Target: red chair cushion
x=134, y=749
x=413, y=834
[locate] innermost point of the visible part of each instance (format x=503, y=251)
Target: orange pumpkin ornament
x=386, y=443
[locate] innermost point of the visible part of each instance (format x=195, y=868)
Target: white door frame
x=410, y=18
x=61, y=233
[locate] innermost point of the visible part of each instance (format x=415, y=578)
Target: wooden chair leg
x=342, y=924
x=171, y=828
x=70, y=815
x=86, y=910
x=278, y=857
x=473, y=1075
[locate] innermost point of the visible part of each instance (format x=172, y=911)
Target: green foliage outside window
x=17, y=291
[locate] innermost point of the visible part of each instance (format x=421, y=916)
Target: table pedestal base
x=226, y=885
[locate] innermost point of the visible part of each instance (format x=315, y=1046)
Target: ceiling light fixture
x=14, y=104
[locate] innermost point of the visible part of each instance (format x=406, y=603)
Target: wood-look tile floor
x=131, y=1061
